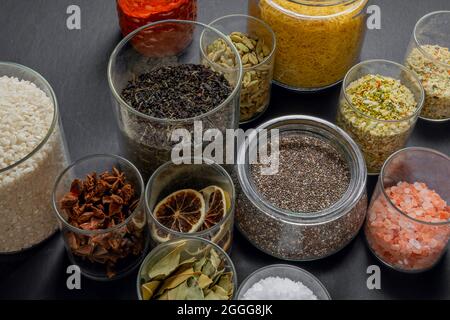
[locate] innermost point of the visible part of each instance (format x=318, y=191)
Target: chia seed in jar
x=316, y=203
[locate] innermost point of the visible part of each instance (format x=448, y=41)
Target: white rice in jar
x=31, y=156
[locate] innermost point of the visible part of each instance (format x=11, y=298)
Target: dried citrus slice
x=159, y=235
x=216, y=206
x=182, y=211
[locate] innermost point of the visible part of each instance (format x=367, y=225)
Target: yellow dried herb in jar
x=318, y=41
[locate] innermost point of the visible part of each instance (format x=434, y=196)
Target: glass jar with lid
x=318, y=41
x=312, y=234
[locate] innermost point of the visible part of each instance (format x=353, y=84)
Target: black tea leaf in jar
x=177, y=92
x=155, y=95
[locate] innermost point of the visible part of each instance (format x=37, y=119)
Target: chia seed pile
x=177, y=92
x=312, y=176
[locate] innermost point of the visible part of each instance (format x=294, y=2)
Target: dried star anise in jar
x=101, y=202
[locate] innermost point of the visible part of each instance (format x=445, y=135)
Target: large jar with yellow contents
x=318, y=40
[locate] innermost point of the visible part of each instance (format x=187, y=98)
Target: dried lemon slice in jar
x=160, y=235
x=182, y=211
x=217, y=204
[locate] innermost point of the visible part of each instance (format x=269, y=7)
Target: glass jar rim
x=420, y=103
x=164, y=245
x=419, y=44
x=262, y=23
x=383, y=189
x=284, y=266
x=53, y=123
x=226, y=218
x=101, y=231
x=349, y=199
x=319, y=4
x=128, y=38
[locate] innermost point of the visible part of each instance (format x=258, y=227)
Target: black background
x=34, y=33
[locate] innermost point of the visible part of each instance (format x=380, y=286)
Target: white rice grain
x=26, y=116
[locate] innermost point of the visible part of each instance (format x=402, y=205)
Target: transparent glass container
x=170, y=178
x=378, y=139
x=318, y=41
x=302, y=236
x=428, y=55
x=137, y=13
x=194, y=247
x=103, y=254
x=284, y=271
x=397, y=239
x=26, y=217
x=146, y=140
x=257, y=79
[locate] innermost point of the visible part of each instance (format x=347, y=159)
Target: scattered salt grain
x=276, y=288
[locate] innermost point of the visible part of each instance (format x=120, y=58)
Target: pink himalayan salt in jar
x=408, y=223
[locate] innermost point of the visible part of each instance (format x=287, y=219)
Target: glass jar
x=257, y=79
x=172, y=177
x=377, y=138
x=399, y=239
x=284, y=271
x=253, y=8
x=317, y=41
x=302, y=236
x=103, y=254
x=25, y=186
x=134, y=14
x=429, y=56
x=194, y=248
x=147, y=140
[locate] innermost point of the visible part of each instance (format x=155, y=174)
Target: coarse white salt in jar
x=32, y=153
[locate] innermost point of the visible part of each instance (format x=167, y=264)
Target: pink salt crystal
x=415, y=243
x=404, y=243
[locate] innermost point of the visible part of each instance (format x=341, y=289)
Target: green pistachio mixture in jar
x=377, y=111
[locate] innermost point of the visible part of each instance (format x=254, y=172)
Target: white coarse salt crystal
x=276, y=288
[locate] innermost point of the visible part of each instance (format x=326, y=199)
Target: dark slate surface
x=34, y=33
